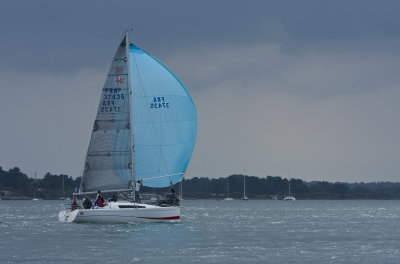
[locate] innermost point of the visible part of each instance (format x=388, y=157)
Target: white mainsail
x=108, y=164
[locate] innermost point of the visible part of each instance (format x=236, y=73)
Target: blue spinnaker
x=164, y=121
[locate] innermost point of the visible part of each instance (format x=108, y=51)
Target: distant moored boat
x=289, y=197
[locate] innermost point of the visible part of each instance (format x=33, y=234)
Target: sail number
x=110, y=98
x=114, y=96
x=109, y=107
x=159, y=102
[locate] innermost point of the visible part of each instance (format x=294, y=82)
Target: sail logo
x=119, y=80
x=159, y=102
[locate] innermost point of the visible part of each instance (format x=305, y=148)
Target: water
x=211, y=232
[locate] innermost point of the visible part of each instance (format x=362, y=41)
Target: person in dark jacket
x=87, y=204
x=113, y=198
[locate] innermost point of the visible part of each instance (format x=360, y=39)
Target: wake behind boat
x=145, y=129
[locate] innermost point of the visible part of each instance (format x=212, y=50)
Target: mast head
x=126, y=33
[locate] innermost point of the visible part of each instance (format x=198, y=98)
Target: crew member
x=137, y=191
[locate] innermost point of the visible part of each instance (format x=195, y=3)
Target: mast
x=181, y=192
x=34, y=190
x=227, y=187
x=63, y=186
x=289, y=181
x=130, y=113
x=244, y=186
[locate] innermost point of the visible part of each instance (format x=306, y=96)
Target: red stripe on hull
x=163, y=218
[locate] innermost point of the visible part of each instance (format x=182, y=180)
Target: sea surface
x=210, y=232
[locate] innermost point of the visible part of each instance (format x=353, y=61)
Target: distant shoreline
x=16, y=185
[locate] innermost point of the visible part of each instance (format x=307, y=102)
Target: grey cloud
x=54, y=36
x=265, y=66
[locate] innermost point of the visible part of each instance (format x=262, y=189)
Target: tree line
x=275, y=186
x=14, y=184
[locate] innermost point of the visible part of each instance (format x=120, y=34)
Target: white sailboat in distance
x=289, y=197
x=35, y=190
x=228, y=198
x=63, y=189
x=145, y=129
x=244, y=189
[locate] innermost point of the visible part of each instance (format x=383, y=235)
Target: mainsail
x=164, y=121
x=108, y=160
x=139, y=90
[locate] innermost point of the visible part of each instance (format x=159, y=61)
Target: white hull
x=289, y=198
x=113, y=213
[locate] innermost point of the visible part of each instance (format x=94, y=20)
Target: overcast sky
x=310, y=86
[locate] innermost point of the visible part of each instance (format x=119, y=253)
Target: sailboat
x=289, y=197
x=145, y=129
x=63, y=189
x=35, y=190
x=227, y=191
x=181, y=190
x=244, y=188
